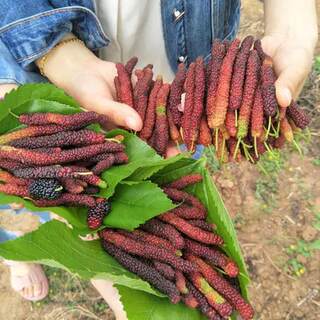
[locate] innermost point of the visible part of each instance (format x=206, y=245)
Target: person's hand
x=292, y=61
x=89, y=80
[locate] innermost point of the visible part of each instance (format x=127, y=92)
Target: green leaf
x=56, y=245
x=143, y=306
x=134, y=204
x=140, y=155
x=23, y=99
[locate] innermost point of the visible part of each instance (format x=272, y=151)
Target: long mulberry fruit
x=222, y=95
x=214, y=298
x=186, y=212
x=250, y=85
x=131, y=63
x=62, y=139
x=166, y=270
x=214, y=256
x=164, y=230
x=49, y=189
x=175, y=94
x=97, y=213
x=239, y=73
x=218, y=52
x=69, y=199
x=231, y=123
x=202, y=224
x=126, y=92
x=162, y=126
x=150, y=119
x=9, y=178
x=182, y=196
x=144, y=271
x=146, y=250
x=104, y=164
x=205, y=137
x=181, y=282
x=41, y=159
x=15, y=190
x=190, y=230
x=185, y=181
x=224, y=288
x=298, y=115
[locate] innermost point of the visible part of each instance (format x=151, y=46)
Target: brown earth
x=271, y=213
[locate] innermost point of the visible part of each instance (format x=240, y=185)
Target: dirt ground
x=277, y=217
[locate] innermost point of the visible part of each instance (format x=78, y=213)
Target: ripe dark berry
x=97, y=213
x=49, y=189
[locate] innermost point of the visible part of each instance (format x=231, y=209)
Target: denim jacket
x=30, y=28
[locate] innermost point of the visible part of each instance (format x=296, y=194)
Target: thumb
x=288, y=85
x=118, y=113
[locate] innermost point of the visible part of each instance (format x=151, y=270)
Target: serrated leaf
x=143, y=306
x=56, y=245
x=140, y=155
x=134, y=204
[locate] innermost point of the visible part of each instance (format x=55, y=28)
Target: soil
x=274, y=218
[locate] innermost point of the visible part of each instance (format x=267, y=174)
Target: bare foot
x=29, y=280
x=111, y=295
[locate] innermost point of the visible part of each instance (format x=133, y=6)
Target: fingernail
x=131, y=123
x=287, y=95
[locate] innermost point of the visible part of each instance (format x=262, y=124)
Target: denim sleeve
x=30, y=28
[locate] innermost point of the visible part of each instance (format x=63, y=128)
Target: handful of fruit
x=56, y=160
x=230, y=103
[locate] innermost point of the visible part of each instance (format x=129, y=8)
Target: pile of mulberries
x=56, y=160
x=229, y=103
x=182, y=256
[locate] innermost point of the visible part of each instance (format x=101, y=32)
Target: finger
x=118, y=113
x=288, y=84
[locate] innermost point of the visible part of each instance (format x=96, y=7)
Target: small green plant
x=316, y=162
x=213, y=163
x=269, y=165
x=304, y=249
x=317, y=64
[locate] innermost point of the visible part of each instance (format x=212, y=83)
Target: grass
x=269, y=166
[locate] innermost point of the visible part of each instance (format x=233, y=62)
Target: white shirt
x=135, y=29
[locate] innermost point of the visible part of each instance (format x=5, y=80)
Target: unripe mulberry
x=214, y=298
x=146, y=250
x=190, y=230
x=298, y=115
x=173, y=130
x=144, y=271
x=48, y=189
x=185, y=181
x=224, y=288
x=286, y=129
x=239, y=73
x=203, y=304
x=97, y=213
x=60, y=139
x=165, y=231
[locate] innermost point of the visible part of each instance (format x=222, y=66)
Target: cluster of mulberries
x=181, y=256
x=229, y=102
x=56, y=160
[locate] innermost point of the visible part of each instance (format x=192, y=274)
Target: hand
x=292, y=62
x=89, y=80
